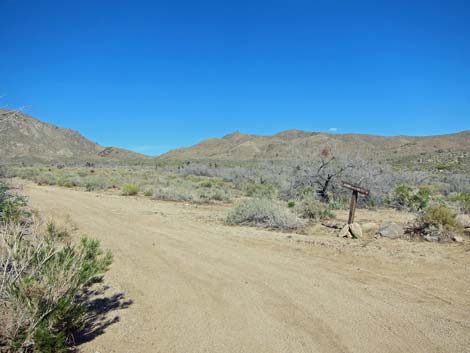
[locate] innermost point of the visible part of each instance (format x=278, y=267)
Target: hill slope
x=296, y=144
x=26, y=139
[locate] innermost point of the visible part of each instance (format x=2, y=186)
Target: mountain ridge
x=299, y=144
x=26, y=139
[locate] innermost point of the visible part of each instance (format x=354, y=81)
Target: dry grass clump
x=263, y=213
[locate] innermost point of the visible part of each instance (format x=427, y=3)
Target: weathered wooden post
x=349, y=228
x=352, y=206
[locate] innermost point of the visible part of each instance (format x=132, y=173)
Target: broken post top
x=353, y=187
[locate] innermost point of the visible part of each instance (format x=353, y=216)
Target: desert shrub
x=406, y=197
x=45, y=179
x=205, y=184
x=148, y=193
x=11, y=206
x=214, y=194
x=312, y=209
x=93, y=183
x=441, y=215
x=438, y=221
x=130, y=189
x=43, y=281
x=260, y=190
x=43, y=284
x=263, y=213
x=462, y=199
x=172, y=193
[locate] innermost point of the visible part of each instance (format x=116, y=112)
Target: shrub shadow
x=99, y=318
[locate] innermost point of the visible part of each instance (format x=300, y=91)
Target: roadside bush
x=45, y=179
x=93, y=183
x=43, y=288
x=130, y=190
x=44, y=283
x=312, y=209
x=263, y=213
x=172, y=193
x=439, y=221
x=11, y=206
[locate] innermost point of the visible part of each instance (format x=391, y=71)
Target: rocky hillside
x=449, y=149
x=26, y=139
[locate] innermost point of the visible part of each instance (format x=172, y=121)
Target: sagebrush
x=263, y=213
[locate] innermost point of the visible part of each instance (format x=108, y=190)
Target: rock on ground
x=391, y=230
x=344, y=232
x=356, y=230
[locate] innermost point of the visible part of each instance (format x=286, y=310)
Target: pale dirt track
x=200, y=286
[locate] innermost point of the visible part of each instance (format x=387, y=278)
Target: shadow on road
x=100, y=314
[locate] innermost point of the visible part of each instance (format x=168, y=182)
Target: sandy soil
x=200, y=286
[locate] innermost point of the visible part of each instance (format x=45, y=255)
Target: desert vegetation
x=45, y=280
x=274, y=194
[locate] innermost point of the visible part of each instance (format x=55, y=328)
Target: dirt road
x=200, y=286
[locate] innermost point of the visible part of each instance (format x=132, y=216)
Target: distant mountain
x=303, y=145
x=26, y=139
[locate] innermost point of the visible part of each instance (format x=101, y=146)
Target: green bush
x=263, y=213
x=438, y=221
x=312, y=209
x=406, y=197
x=44, y=282
x=130, y=189
x=43, y=286
x=441, y=216
x=11, y=206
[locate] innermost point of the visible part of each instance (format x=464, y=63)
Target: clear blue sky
x=155, y=75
